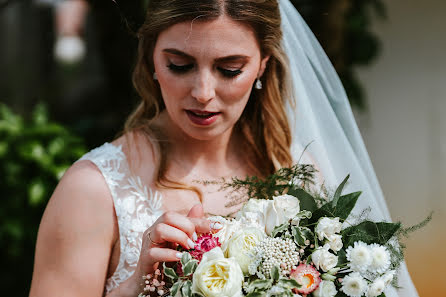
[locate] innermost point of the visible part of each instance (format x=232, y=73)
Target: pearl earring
x=155, y=77
x=259, y=84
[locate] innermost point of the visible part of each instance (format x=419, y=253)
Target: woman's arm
x=75, y=237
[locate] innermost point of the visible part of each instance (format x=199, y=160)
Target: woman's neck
x=214, y=158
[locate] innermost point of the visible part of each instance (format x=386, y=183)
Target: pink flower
x=204, y=244
x=307, y=276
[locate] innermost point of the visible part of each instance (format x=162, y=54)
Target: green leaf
x=275, y=273
x=256, y=294
x=169, y=272
x=176, y=286
x=36, y=193
x=280, y=229
x=190, y=267
x=339, y=190
x=289, y=283
x=341, y=294
x=346, y=204
x=185, y=258
x=299, y=238
x=343, y=209
x=307, y=202
x=369, y=232
x=186, y=289
x=260, y=284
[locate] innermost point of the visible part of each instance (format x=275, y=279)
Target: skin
x=77, y=246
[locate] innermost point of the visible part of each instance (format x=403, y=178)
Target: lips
x=202, y=117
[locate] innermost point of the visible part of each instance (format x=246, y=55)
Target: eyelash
x=180, y=69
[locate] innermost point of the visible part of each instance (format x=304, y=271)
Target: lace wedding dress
x=136, y=207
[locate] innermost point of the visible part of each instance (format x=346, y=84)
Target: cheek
x=237, y=92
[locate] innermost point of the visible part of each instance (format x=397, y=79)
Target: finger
x=166, y=233
x=179, y=221
x=158, y=254
x=196, y=212
x=202, y=225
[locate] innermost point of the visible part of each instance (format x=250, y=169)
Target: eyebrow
x=222, y=59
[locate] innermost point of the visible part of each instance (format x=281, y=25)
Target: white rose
x=376, y=288
x=217, y=276
x=323, y=259
x=328, y=227
x=253, y=213
x=230, y=226
x=241, y=243
x=279, y=210
x=325, y=289
x=335, y=242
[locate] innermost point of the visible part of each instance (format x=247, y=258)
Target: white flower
x=328, y=227
x=376, y=288
x=359, y=257
x=280, y=210
x=323, y=259
x=268, y=214
x=241, y=243
x=335, y=242
x=354, y=285
x=325, y=289
x=388, y=277
x=230, y=226
x=217, y=276
x=253, y=213
x=380, y=259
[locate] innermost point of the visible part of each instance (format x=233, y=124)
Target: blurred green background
x=51, y=112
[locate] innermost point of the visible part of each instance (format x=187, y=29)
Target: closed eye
x=229, y=73
x=180, y=68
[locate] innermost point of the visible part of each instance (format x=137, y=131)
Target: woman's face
x=206, y=71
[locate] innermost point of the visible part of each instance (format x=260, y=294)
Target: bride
x=228, y=88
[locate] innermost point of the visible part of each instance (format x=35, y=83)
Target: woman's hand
x=170, y=230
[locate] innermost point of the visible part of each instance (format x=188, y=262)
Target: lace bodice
x=136, y=206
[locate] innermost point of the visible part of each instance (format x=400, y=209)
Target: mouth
x=202, y=117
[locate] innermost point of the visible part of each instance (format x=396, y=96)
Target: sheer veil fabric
x=323, y=117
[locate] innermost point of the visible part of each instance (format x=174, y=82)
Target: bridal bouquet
x=288, y=241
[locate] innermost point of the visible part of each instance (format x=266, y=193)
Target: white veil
x=323, y=117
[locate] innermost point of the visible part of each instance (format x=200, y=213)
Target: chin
x=205, y=134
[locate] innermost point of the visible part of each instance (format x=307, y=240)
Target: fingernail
x=179, y=255
x=190, y=243
x=194, y=236
x=216, y=226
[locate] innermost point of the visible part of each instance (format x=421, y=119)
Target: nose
x=203, y=89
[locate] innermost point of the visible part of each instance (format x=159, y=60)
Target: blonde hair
x=263, y=124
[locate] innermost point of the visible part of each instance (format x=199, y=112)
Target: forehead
x=219, y=37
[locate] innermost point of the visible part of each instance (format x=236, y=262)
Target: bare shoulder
x=140, y=152
x=76, y=235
